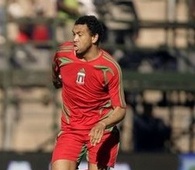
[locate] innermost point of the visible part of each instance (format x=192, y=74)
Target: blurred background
x=154, y=43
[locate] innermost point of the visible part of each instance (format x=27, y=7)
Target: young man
x=93, y=99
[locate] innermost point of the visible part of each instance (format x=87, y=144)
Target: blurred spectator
x=15, y=10
x=19, y=15
x=148, y=61
x=24, y=33
x=67, y=12
x=150, y=134
x=121, y=19
x=87, y=7
x=68, y=9
x=28, y=21
x=41, y=32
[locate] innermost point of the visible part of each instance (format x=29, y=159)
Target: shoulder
x=108, y=58
x=65, y=47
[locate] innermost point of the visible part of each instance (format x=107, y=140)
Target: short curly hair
x=95, y=26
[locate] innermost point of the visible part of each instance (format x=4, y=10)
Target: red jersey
x=90, y=90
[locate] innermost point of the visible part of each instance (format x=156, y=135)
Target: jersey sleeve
x=115, y=86
x=56, y=80
x=63, y=49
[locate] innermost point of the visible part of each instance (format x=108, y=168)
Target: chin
x=79, y=52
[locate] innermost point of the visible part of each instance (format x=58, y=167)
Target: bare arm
x=98, y=130
x=116, y=117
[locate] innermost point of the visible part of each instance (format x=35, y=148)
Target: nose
x=75, y=38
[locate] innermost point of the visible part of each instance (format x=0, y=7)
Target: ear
x=95, y=38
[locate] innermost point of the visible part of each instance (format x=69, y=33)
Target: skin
x=67, y=9
x=84, y=45
x=86, y=49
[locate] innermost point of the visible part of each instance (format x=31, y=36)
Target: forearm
x=98, y=130
x=114, y=118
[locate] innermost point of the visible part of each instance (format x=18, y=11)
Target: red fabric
x=40, y=33
x=71, y=146
x=85, y=94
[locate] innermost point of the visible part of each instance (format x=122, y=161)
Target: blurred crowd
x=116, y=15
x=33, y=21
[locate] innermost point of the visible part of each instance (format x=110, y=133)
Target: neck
x=91, y=54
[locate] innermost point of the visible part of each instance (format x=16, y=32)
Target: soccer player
x=92, y=98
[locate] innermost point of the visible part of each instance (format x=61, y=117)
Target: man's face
x=82, y=38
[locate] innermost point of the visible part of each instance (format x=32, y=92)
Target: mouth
x=75, y=47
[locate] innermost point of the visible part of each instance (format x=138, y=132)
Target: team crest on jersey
x=81, y=76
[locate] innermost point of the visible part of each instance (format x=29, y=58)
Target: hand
x=57, y=83
x=96, y=133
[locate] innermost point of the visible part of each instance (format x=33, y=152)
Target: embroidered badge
x=81, y=76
